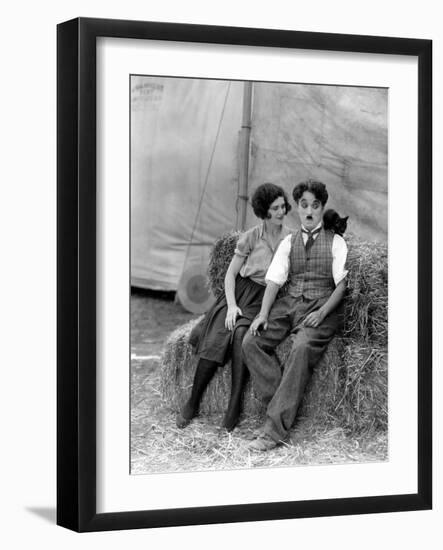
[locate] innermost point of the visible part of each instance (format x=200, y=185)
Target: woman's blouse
x=255, y=247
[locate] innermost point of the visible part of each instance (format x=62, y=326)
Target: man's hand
x=231, y=316
x=259, y=321
x=314, y=319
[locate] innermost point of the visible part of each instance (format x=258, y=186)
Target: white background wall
x=27, y=299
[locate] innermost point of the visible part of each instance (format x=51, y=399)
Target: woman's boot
x=203, y=375
x=239, y=376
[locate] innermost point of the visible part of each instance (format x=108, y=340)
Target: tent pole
x=244, y=154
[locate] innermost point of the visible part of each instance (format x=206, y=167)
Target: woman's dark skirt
x=210, y=338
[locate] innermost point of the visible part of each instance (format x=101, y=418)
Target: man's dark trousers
x=282, y=389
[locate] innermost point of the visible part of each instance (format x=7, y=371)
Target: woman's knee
x=239, y=334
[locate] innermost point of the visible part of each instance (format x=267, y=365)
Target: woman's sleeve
x=244, y=244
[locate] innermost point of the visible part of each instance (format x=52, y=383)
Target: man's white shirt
x=278, y=271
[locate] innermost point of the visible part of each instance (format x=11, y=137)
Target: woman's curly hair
x=264, y=196
x=317, y=188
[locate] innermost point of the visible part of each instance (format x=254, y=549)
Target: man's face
x=310, y=210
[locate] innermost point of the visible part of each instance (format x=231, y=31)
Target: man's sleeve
x=339, y=255
x=278, y=270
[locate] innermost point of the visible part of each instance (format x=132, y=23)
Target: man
x=313, y=262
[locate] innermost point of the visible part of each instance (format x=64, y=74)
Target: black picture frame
x=76, y=278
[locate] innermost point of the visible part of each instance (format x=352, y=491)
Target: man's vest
x=311, y=277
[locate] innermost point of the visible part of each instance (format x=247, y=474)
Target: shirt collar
x=315, y=228
x=262, y=230
x=284, y=230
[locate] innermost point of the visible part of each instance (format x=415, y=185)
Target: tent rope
x=206, y=179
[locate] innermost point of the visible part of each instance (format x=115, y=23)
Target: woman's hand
x=257, y=323
x=314, y=319
x=231, y=316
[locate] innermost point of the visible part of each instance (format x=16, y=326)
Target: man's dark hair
x=317, y=188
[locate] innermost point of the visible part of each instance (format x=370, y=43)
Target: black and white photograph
x=186, y=361
x=244, y=255
x=259, y=274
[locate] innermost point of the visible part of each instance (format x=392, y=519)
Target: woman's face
x=277, y=211
x=310, y=210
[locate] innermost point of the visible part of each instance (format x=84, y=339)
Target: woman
x=219, y=336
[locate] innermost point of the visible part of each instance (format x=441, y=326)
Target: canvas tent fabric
x=336, y=134
x=185, y=162
x=184, y=176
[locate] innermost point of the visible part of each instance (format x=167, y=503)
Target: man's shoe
x=263, y=442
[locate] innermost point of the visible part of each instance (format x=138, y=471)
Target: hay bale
x=363, y=388
x=366, y=302
x=348, y=388
x=351, y=390
x=178, y=365
x=219, y=260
